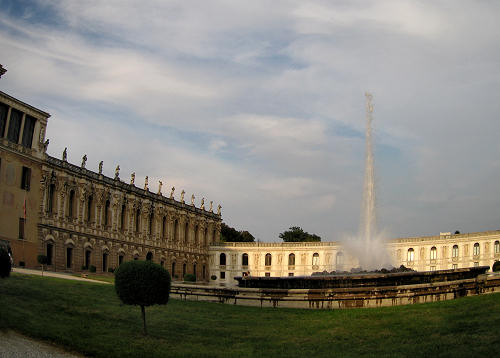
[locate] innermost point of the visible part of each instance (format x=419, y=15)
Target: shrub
x=92, y=268
x=213, y=277
x=189, y=277
x=110, y=269
x=142, y=283
x=5, y=264
x=22, y=264
x=84, y=267
x=496, y=266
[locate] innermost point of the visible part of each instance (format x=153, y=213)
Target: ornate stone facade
x=444, y=251
x=90, y=219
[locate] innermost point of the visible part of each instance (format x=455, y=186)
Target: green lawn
x=88, y=318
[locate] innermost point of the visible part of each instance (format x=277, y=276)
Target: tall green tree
x=296, y=234
x=230, y=234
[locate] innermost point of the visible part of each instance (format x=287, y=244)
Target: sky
x=259, y=105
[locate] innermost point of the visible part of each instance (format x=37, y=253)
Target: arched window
x=476, y=250
x=87, y=261
x=106, y=213
x=122, y=217
x=269, y=259
x=186, y=233
x=150, y=224
x=149, y=256
x=164, y=227
x=291, y=260
x=244, y=260
x=194, y=269
x=176, y=229
x=173, y=269
x=137, y=220
x=340, y=261
x=497, y=247
x=196, y=235
x=50, y=198
x=205, y=237
x=104, y=262
x=315, y=259
x=454, y=251
x=89, y=208
x=410, y=255
x=434, y=253
x=222, y=259
x=69, y=257
x=71, y=203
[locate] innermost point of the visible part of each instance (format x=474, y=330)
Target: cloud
x=261, y=108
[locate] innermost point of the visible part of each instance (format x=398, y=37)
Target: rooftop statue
x=132, y=178
x=202, y=206
x=172, y=192
x=218, y=209
x=160, y=184
x=146, y=183
x=65, y=154
x=100, y=167
x=182, y=196
x=192, y=199
x=84, y=160
x=117, y=172
x=211, y=206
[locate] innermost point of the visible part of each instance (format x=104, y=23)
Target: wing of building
x=85, y=220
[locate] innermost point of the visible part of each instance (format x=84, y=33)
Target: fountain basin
x=360, y=296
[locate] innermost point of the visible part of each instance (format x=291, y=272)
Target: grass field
x=88, y=318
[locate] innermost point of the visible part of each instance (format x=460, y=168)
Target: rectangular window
x=3, y=118
x=454, y=266
x=26, y=178
x=268, y=274
x=120, y=260
x=290, y=274
x=14, y=125
x=29, y=127
x=21, y=228
x=222, y=275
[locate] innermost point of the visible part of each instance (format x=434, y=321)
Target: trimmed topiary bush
x=213, y=277
x=189, y=277
x=111, y=270
x=92, y=268
x=496, y=266
x=42, y=260
x=5, y=264
x=142, y=283
x=22, y=264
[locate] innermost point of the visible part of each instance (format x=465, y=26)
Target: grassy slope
x=88, y=318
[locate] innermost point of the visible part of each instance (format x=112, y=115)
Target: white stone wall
x=329, y=251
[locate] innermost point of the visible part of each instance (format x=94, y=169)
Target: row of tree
x=293, y=234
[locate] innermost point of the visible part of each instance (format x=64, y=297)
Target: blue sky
x=259, y=106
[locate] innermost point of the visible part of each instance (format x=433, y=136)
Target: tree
x=5, y=264
x=142, y=283
x=296, y=234
x=42, y=260
x=230, y=234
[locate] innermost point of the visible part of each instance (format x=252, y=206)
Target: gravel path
x=14, y=345
x=66, y=276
